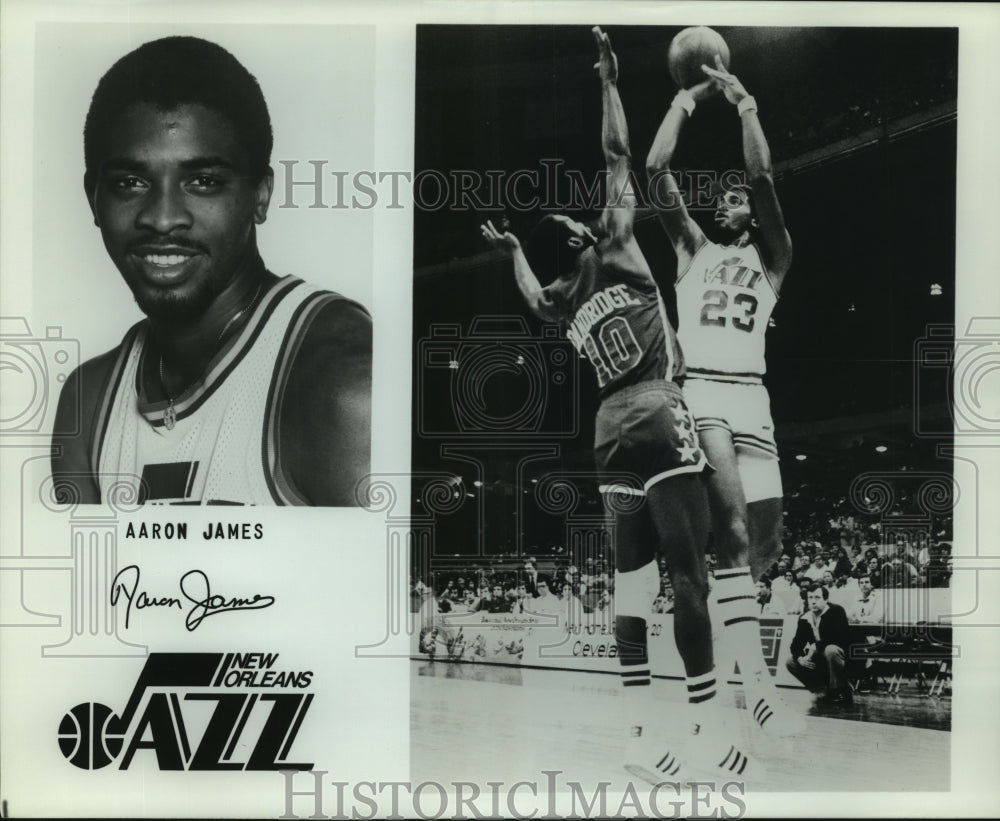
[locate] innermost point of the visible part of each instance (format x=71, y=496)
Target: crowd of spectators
x=854, y=576
x=505, y=587
x=856, y=554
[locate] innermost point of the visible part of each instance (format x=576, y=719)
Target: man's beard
x=171, y=307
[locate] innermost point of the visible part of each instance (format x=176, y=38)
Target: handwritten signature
x=194, y=587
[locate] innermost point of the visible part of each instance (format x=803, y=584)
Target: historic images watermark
x=548, y=796
x=548, y=187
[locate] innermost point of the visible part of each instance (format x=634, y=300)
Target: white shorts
x=743, y=411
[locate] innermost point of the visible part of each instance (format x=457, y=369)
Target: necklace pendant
x=170, y=416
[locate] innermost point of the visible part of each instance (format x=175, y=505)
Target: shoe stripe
x=723, y=763
x=670, y=767
x=758, y=708
x=700, y=697
x=640, y=682
x=703, y=685
x=743, y=766
x=624, y=673
x=762, y=720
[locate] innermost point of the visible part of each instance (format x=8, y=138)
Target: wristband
x=683, y=99
x=748, y=103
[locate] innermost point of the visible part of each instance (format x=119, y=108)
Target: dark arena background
x=861, y=124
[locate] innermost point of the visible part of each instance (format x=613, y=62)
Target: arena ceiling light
x=881, y=448
x=801, y=457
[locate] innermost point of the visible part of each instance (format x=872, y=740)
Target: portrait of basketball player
x=239, y=386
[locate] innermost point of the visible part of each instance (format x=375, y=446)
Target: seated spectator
x=841, y=591
x=576, y=609
x=874, y=569
x=816, y=570
x=898, y=573
x=857, y=556
x=939, y=568
x=801, y=560
x=467, y=601
x=782, y=584
x=906, y=550
x=494, y=601
x=795, y=602
x=779, y=568
x=520, y=596
x=867, y=607
x=841, y=564
x=819, y=648
x=923, y=559
x=768, y=607
x=545, y=603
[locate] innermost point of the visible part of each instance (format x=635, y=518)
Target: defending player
x=605, y=294
x=725, y=295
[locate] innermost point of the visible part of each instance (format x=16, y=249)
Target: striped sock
x=736, y=597
x=633, y=661
x=701, y=688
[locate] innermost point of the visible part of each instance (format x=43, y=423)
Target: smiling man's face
x=177, y=207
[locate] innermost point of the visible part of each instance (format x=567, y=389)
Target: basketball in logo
x=84, y=738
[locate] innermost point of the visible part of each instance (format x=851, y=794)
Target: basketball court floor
x=479, y=722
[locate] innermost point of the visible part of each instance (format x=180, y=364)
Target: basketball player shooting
x=239, y=387
x=600, y=287
x=725, y=296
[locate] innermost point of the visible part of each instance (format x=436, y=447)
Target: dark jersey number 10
x=619, y=352
x=713, y=312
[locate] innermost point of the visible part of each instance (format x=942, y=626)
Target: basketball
x=84, y=738
x=690, y=49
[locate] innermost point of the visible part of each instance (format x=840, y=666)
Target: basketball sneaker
x=653, y=762
x=769, y=712
x=716, y=749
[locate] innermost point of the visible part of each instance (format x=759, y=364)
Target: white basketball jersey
x=223, y=447
x=724, y=301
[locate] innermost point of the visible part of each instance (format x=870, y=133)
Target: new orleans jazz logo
x=224, y=702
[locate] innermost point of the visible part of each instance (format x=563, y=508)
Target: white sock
x=736, y=600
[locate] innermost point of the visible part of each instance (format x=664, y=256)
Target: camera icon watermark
x=499, y=380
x=964, y=374
x=33, y=368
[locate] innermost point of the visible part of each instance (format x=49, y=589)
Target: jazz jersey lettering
x=724, y=301
x=616, y=318
x=224, y=446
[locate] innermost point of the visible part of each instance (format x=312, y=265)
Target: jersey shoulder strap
x=109, y=390
x=280, y=482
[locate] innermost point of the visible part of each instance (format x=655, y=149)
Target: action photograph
x=682, y=503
